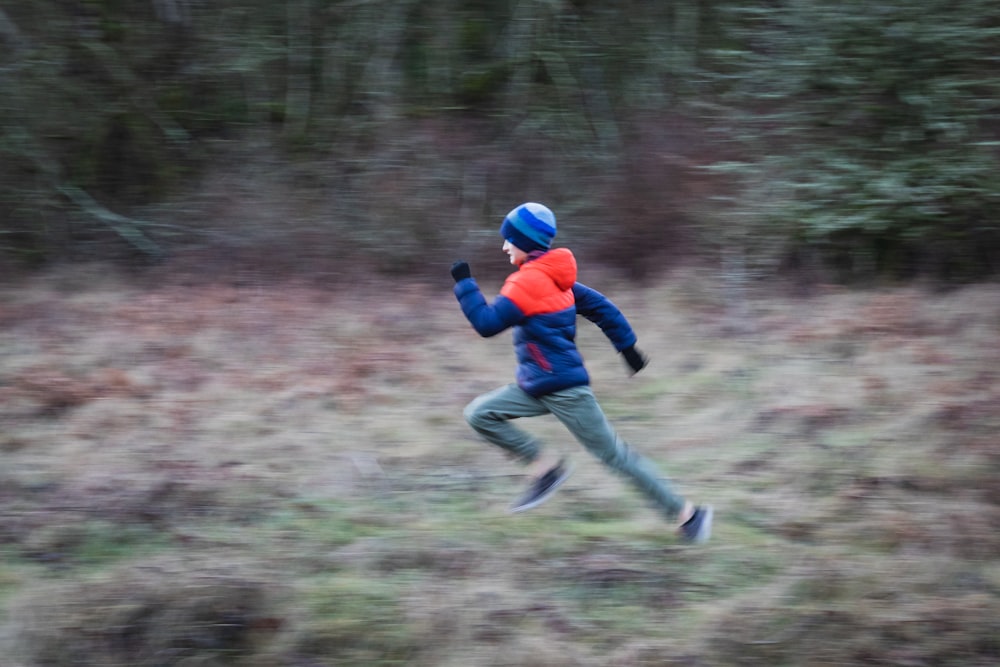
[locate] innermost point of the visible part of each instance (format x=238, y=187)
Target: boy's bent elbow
x=487, y=327
x=489, y=320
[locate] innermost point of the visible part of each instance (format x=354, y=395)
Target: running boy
x=541, y=301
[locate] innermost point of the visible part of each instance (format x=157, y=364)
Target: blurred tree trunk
x=298, y=87
x=10, y=32
x=684, y=43
x=173, y=11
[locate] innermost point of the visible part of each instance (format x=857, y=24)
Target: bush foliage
x=876, y=128
x=855, y=138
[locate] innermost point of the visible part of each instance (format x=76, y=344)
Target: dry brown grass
x=278, y=474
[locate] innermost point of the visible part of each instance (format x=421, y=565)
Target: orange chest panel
x=534, y=293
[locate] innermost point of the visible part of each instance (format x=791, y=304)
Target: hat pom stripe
x=526, y=214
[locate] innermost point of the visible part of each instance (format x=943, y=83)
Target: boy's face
x=517, y=256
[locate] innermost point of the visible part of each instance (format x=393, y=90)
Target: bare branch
x=127, y=228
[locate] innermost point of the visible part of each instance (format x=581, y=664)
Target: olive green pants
x=577, y=408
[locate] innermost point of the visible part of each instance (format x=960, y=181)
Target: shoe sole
x=545, y=496
x=705, y=529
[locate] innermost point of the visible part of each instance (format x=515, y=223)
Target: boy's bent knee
x=474, y=414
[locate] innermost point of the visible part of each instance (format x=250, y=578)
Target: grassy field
x=278, y=474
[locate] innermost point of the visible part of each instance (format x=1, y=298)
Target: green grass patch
x=91, y=543
x=353, y=621
x=12, y=577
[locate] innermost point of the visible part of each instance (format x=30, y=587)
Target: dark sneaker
x=542, y=488
x=698, y=528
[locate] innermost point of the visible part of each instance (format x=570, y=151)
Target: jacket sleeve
x=600, y=310
x=487, y=319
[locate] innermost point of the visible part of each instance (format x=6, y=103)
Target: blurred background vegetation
x=842, y=141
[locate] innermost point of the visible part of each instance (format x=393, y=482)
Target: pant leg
x=490, y=414
x=579, y=411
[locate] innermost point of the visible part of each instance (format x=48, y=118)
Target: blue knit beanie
x=530, y=227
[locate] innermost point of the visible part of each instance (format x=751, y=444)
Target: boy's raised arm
x=487, y=319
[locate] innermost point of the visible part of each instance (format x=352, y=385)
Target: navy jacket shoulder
x=600, y=310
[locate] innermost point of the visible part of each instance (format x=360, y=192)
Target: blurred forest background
x=232, y=370
x=843, y=141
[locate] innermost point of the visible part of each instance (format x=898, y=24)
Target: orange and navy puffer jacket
x=541, y=301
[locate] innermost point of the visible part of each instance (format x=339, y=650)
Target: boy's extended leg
x=490, y=415
x=579, y=411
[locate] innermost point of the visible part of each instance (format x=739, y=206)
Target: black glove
x=460, y=271
x=635, y=359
